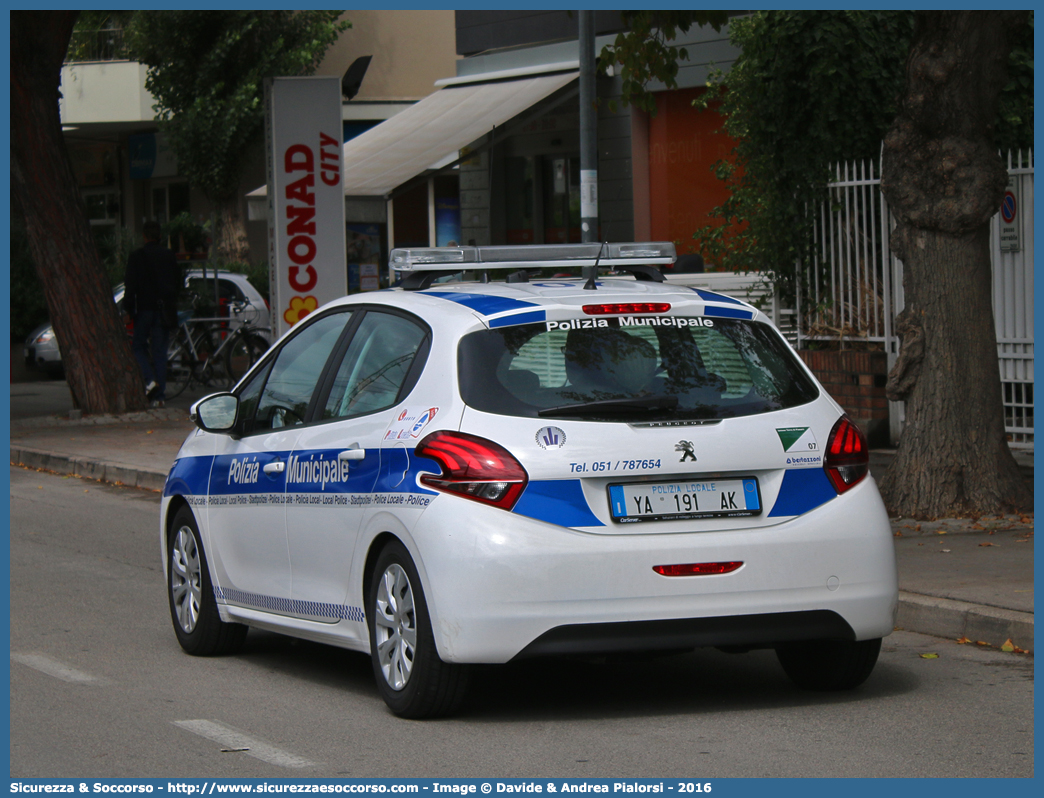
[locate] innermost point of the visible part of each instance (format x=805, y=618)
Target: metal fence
x=1013, y=297
x=852, y=286
x=104, y=44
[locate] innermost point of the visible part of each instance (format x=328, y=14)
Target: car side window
x=230, y=291
x=292, y=379
x=375, y=366
x=249, y=395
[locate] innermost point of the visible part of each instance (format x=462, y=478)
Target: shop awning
x=425, y=135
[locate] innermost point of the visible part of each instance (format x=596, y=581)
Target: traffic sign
x=1010, y=238
x=1008, y=207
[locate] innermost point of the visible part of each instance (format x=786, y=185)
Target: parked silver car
x=235, y=296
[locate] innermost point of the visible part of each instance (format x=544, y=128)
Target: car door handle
x=275, y=467
x=354, y=453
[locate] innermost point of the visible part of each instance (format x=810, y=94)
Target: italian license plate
x=683, y=500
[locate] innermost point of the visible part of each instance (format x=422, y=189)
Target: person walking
x=151, y=285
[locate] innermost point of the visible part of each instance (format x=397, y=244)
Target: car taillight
x=848, y=456
x=627, y=307
x=474, y=468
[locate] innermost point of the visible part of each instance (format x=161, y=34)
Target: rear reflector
x=697, y=568
x=627, y=307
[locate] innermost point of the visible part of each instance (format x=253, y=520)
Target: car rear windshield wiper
x=613, y=406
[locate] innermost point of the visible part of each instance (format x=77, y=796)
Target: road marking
x=234, y=740
x=53, y=667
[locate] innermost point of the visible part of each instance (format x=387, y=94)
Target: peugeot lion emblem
x=685, y=447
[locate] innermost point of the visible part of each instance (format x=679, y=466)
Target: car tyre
x=193, y=609
x=827, y=665
x=411, y=678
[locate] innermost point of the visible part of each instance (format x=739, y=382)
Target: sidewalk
x=957, y=578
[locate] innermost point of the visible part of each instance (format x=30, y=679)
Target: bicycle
x=216, y=352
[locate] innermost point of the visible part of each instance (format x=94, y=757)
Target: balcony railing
x=105, y=44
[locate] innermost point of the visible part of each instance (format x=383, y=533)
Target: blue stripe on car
x=482, y=303
x=189, y=476
x=711, y=296
x=727, y=313
x=399, y=470
x=803, y=489
x=397, y=473
x=560, y=502
x=518, y=318
x=556, y=501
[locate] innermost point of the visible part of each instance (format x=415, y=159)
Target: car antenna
x=592, y=271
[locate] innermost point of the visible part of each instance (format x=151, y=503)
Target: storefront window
x=562, y=200
x=518, y=195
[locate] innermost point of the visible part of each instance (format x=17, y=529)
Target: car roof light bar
x=531, y=256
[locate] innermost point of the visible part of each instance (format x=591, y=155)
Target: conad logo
x=301, y=246
x=299, y=308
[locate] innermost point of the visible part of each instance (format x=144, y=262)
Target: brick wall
x=856, y=381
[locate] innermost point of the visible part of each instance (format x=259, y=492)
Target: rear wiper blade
x=613, y=405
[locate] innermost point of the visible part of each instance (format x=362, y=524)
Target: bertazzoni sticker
x=801, y=447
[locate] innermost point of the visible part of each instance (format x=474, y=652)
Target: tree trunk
x=944, y=181
x=231, y=240
x=102, y=374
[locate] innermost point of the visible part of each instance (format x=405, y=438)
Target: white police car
x=452, y=473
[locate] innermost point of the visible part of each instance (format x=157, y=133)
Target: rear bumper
x=751, y=631
x=499, y=586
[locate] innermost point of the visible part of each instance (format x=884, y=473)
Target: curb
x=92, y=468
x=952, y=619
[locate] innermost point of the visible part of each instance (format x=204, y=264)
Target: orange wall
x=683, y=147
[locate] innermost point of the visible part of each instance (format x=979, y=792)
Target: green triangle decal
x=788, y=436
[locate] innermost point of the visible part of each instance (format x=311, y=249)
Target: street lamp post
x=588, y=130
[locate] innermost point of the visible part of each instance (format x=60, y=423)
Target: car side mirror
x=215, y=413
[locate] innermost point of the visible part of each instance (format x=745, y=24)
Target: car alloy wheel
x=411, y=678
x=193, y=608
x=185, y=578
x=396, y=626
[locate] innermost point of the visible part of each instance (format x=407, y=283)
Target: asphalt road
x=100, y=688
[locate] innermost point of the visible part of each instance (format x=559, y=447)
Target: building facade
x=502, y=134
x=126, y=171
x=465, y=129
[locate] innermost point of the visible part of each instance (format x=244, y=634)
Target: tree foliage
x=98, y=35
x=809, y=89
x=1015, y=126
x=644, y=51
x=206, y=71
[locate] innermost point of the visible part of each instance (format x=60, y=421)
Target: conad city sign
x=307, y=257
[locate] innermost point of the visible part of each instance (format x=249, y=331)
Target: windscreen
x=632, y=368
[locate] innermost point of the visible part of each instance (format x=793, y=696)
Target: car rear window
x=670, y=368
